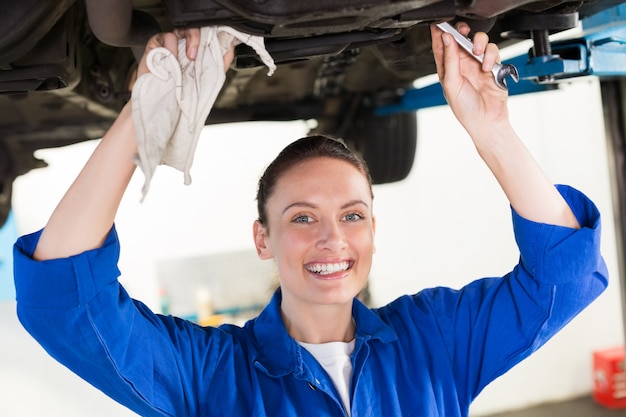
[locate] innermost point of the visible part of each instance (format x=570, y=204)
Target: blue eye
x=353, y=217
x=302, y=219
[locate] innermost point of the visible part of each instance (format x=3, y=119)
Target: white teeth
x=325, y=269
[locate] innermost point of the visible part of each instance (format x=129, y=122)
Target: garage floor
x=580, y=407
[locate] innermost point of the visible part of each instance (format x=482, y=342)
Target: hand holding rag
x=172, y=102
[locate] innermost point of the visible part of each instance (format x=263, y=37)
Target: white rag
x=172, y=102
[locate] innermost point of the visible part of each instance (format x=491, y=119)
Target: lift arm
x=600, y=51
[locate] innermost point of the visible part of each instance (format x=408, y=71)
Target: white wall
x=445, y=225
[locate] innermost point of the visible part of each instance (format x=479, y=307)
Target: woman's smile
x=329, y=271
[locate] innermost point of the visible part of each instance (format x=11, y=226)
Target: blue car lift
x=600, y=51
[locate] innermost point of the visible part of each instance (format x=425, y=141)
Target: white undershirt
x=335, y=359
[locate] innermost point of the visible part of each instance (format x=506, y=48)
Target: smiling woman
x=316, y=199
x=316, y=349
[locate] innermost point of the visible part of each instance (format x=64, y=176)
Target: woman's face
x=320, y=232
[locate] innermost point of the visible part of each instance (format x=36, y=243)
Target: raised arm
x=85, y=214
x=481, y=107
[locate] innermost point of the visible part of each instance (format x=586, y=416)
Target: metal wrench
x=500, y=71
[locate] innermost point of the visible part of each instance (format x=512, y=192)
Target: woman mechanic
x=315, y=350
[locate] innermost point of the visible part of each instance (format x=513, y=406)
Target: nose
x=331, y=237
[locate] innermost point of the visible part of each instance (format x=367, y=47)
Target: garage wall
x=446, y=224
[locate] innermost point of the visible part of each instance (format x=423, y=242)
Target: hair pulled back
x=306, y=148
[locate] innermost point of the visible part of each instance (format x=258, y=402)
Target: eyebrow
x=312, y=206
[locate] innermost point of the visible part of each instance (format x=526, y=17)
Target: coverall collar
x=280, y=354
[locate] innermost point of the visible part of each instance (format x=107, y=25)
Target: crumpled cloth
x=171, y=103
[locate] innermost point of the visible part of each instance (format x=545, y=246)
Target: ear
x=259, y=232
x=374, y=234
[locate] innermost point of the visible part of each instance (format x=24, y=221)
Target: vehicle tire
x=387, y=143
x=6, y=191
x=6, y=184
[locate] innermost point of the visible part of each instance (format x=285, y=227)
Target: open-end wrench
x=500, y=71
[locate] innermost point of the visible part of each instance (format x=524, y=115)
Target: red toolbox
x=609, y=378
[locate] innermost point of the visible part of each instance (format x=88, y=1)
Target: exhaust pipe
x=115, y=23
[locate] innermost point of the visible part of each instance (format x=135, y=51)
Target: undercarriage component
x=66, y=66
x=116, y=23
x=601, y=51
x=50, y=64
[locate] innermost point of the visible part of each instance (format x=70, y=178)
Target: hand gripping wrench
x=500, y=71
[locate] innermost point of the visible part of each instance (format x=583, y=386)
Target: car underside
x=66, y=66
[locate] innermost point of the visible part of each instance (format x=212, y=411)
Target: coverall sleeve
x=80, y=314
x=493, y=323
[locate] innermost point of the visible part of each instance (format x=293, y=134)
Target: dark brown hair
x=317, y=146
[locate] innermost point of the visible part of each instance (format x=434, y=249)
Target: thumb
x=451, y=61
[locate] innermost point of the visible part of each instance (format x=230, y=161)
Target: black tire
x=387, y=143
x=6, y=191
x=6, y=184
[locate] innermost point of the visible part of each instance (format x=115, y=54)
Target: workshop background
x=447, y=224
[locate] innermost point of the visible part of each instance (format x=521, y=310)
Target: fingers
x=229, y=57
x=170, y=41
x=490, y=51
x=492, y=55
x=192, y=37
x=160, y=40
x=482, y=46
